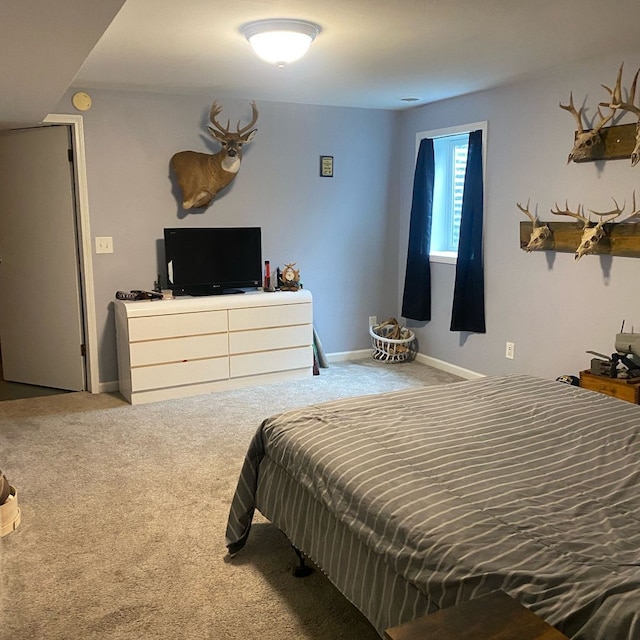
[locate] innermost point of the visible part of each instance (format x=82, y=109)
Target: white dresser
x=188, y=346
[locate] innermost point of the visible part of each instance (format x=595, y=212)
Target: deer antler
x=586, y=139
x=636, y=212
x=533, y=217
x=539, y=233
x=572, y=110
x=577, y=214
x=254, y=119
x=614, y=212
x=616, y=102
x=213, y=115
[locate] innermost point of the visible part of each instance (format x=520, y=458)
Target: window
x=450, y=155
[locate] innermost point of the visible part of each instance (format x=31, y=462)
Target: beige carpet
x=124, y=511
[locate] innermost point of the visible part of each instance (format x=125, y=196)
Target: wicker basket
x=392, y=343
x=9, y=513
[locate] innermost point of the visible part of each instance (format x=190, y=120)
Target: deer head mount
x=591, y=234
x=201, y=175
x=539, y=233
x=587, y=141
x=615, y=141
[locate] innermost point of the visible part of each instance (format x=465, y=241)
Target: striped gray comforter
x=436, y=495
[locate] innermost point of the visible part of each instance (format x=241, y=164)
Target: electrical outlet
x=104, y=244
x=510, y=351
x=373, y=320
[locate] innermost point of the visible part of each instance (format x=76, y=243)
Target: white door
x=41, y=328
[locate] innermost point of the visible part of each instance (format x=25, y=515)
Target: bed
x=416, y=500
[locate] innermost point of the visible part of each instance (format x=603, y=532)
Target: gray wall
x=348, y=234
x=335, y=229
x=552, y=307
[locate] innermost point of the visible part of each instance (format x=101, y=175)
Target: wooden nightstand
x=624, y=388
x=495, y=616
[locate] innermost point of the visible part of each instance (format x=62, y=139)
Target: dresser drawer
x=276, y=316
x=249, y=364
x=178, y=349
x=267, y=339
x=178, y=324
x=179, y=373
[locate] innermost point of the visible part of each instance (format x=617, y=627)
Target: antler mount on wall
x=615, y=141
x=618, y=143
x=588, y=236
x=618, y=239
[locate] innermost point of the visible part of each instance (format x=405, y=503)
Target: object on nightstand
x=601, y=367
x=138, y=294
x=290, y=278
x=268, y=284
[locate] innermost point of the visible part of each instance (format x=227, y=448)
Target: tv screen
x=206, y=261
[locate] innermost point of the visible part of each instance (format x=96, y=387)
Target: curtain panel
x=468, y=312
x=416, y=298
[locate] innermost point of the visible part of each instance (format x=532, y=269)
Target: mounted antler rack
x=618, y=239
x=586, y=236
x=618, y=142
x=615, y=141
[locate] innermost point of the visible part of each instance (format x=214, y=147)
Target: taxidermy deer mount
x=591, y=234
x=590, y=237
x=201, y=175
x=612, y=142
x=588, y=142
x=539, y=232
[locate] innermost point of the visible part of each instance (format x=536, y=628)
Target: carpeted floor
x=124, y=511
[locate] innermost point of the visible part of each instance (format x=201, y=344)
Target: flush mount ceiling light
x=280, y=41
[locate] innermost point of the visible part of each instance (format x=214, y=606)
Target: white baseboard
x=343, y=356
x=448, y=367
x=109, y=387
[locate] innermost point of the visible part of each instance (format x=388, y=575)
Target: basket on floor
x=392, y=343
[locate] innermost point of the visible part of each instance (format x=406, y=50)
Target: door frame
x=85, y=253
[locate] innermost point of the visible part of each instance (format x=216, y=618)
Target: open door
x=41, y=325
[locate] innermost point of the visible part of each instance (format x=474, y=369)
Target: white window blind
x=450, y=154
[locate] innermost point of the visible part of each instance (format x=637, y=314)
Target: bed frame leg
x=302, y=570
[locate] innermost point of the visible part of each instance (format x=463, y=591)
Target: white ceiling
x=370, y=53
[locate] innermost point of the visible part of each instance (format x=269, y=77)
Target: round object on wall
x=81, y=101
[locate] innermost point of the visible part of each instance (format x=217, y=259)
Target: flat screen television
x=209, y=260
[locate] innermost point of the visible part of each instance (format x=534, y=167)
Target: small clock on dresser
x=290, y=278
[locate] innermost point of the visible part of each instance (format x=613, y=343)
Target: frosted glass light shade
x=280, y=42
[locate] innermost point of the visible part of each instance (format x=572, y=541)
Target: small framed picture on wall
x=326, y=166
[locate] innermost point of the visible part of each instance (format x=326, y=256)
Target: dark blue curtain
x=468, y=294
x=416, y=299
